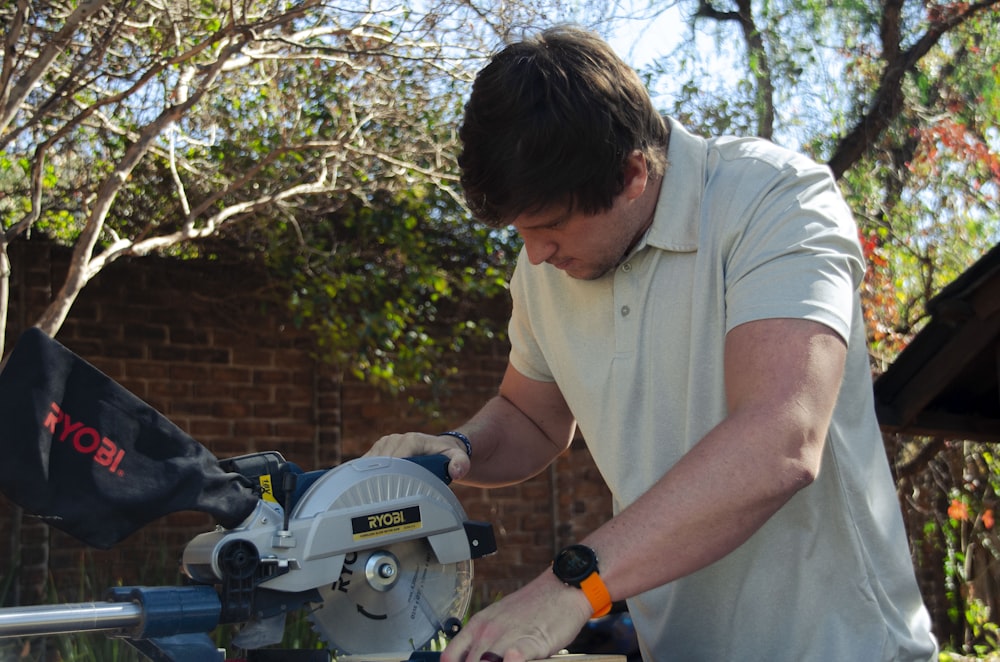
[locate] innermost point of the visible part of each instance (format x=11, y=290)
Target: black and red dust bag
x=84, y=454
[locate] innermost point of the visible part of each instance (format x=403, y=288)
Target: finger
x=412, y=444
x=509, y=655
x=458, y=463
x=470, y=644
x=381, y=446
x=453, y=653
x=398, y=445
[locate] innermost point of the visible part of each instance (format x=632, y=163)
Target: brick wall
x=197, y=342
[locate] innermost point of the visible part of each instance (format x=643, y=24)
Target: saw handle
x=436, y=464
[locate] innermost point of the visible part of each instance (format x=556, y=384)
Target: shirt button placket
x=624, y=294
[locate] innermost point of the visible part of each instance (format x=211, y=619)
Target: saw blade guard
x=403, y=588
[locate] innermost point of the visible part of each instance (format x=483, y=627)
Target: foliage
x=952, y=509
x=926, y=198
x=397, y=315
x=131, y=127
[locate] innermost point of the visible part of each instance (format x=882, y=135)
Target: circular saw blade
x=392, y=599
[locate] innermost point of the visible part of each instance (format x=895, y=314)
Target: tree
x=131, y=127
x=391, y=288
x=901, y=100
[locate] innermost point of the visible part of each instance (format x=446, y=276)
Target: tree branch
x=84, y=264
x=887, y=103
x=52, y=50
x=757, y=59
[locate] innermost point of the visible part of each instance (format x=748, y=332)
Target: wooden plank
x=943, y=424
x=942, y=368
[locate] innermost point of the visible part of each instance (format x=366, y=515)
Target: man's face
x=583, y=246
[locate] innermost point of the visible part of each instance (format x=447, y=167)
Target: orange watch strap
x=595, y=590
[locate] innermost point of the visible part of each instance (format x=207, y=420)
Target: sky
x=639, y=42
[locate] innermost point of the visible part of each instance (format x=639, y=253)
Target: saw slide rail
x=68, y=618
x=162, y=623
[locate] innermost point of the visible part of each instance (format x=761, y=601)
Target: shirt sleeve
x=796, y=253
x=525, y=353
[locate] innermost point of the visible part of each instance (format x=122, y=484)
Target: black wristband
x=461, y=437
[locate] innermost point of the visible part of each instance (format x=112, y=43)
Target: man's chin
x=584, y=273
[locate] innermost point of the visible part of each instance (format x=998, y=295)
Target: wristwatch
x=576, y=565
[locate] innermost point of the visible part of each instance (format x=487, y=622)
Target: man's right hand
x=412, y=444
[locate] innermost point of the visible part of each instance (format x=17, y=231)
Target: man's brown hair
x=551, y=120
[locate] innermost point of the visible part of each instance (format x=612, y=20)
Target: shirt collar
x=676, y=220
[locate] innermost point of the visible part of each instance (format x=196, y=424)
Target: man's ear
x=636, y=175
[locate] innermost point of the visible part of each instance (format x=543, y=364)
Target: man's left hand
x=532, y=623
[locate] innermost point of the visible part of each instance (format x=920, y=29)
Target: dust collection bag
x=90, y=458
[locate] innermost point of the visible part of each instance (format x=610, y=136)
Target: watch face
x=574, y=564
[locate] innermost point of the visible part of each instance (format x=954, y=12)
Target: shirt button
x=625, y=311
x=627, y=267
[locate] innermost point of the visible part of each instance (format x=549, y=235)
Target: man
x=692, y=305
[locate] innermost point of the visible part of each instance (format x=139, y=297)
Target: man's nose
x=539, y=250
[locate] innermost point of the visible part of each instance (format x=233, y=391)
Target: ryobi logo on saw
x=390, y=521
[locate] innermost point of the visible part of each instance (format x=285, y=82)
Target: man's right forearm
x=507, y=445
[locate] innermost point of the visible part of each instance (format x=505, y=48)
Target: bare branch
x=11, y=38
x=19, y=92
x=83, y=266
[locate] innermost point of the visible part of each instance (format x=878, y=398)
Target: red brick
x=231, y=410
x=230, y=375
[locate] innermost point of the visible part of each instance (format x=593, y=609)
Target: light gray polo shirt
x=743, y=231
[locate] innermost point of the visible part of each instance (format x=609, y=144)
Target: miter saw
x=378, y=551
